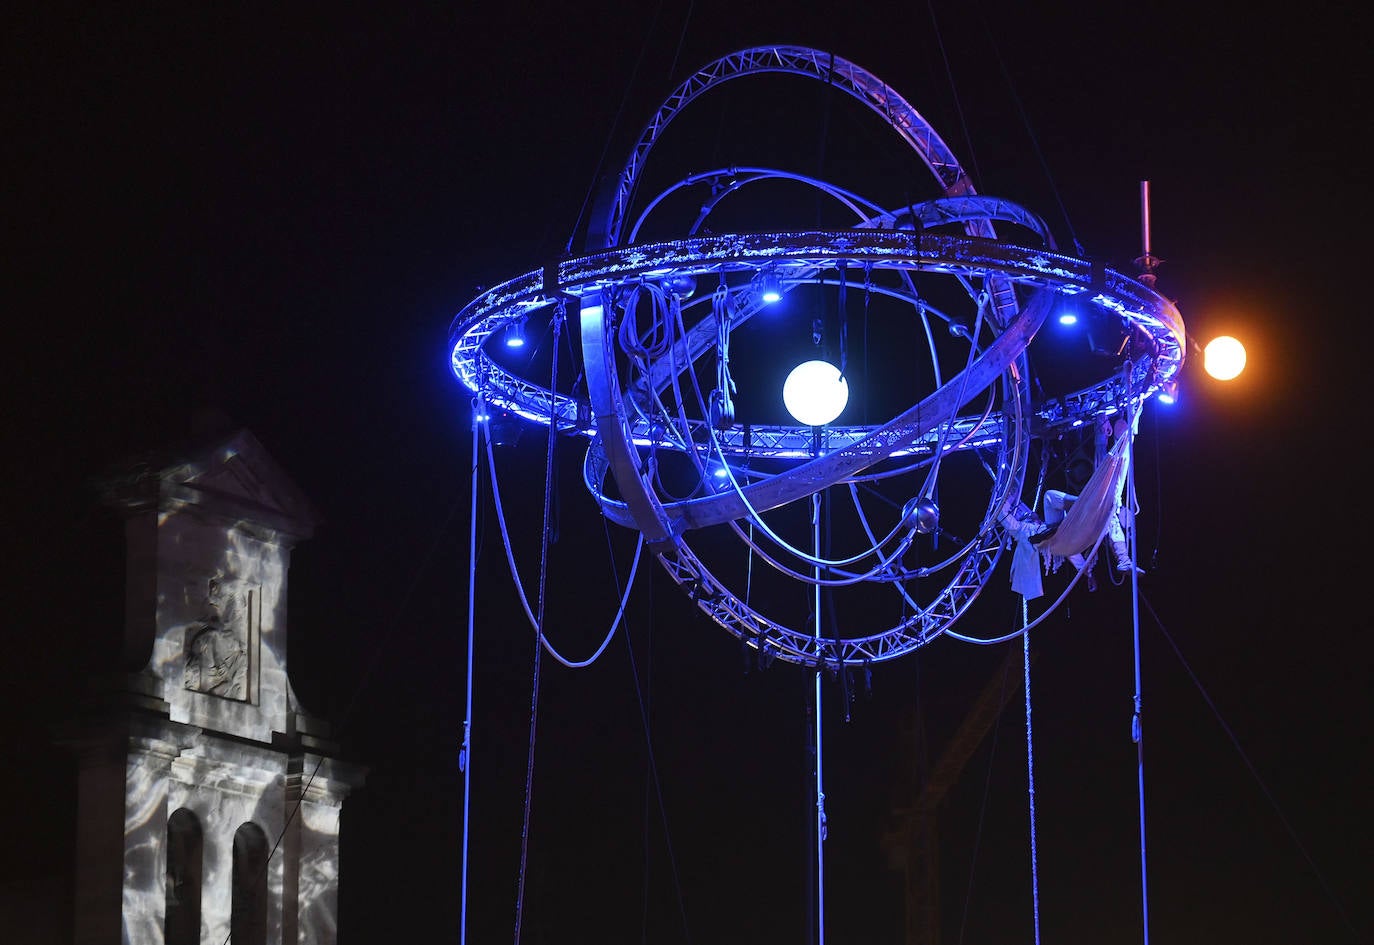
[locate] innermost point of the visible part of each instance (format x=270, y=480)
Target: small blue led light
x=719, y=472
x=1068, y=318
x=515, y=334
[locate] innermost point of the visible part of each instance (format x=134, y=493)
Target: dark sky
x=274, y=212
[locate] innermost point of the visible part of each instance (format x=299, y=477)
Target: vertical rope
x=1137, y=734
x=816, y=721
x=539, y=636
x=1030, y=773
x=465, y=754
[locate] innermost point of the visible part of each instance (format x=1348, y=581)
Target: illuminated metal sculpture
x=657, y=395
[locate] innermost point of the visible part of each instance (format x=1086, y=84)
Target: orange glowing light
x=1224, y=358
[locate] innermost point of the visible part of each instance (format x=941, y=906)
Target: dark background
x=271, y=214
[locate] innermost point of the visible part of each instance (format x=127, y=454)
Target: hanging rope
x=821, y=828
x=1030, y=773
x=465, y=753
x=520, y=584
x=1083, y=569
x=395, y=631
x=1137, y=734
x=539, y=634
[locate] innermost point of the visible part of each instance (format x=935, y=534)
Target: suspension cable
x=465, y=753
x=615, y=124
x=1030, y=772
x=954, y=90
x=1082, y=569
x=816, y=721
x=1250, y=766
x=539, y=634
x=1030, y=132
x=1137, y=734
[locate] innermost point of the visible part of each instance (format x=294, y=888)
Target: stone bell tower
x=208, y=799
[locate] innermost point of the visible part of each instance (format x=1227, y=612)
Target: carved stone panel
x=221, y=645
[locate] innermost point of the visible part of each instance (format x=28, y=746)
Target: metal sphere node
x=921, y=515
x=682, y=348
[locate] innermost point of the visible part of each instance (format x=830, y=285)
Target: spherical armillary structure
x=888, y=528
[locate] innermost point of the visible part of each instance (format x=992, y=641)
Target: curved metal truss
x=838, y=73
x=644, y=405
x=585, y=277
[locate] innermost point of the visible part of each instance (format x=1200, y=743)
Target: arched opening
x=184, y=872
x=248, y=911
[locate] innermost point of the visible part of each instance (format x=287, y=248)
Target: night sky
x=267, y=216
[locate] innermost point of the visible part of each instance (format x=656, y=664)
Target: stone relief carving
x=218, y=645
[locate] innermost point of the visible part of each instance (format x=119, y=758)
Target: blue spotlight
x=515, y=334
x=1068, y=318
x=769, y=288
x=1168, y=393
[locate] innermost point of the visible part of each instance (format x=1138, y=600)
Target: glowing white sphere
x=1224, y=358
x=815, y=393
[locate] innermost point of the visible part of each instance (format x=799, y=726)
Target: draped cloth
x=1090, y=514
x=1025, y=569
